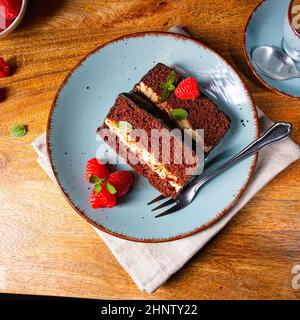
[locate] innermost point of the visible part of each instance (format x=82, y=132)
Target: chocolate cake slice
x=202, y=112
x=139, y=151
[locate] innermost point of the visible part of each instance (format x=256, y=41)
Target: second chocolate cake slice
x=202, y=112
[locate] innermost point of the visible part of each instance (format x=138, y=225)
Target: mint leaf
x=98, y=188
x=18, y=131
x=179, y=114
x=94, y=180
x=171, y=87
x=165, y=94
x=125, y=126
x=164, y=85
x=110, y=188
x=168, y=86
x=171, y=77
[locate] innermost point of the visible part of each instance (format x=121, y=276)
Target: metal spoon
x=274, y=63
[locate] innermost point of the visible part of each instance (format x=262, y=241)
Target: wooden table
x=45, y=247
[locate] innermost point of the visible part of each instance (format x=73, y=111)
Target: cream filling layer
x=183, y=124
x=158, y=167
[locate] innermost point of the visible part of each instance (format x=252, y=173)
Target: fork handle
x=278, y=131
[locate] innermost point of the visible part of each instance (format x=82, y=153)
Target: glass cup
x=291, y=30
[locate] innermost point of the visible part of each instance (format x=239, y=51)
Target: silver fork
x=278, y=131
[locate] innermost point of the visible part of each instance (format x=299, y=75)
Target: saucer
x=265, y=28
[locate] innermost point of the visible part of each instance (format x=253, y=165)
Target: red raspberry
x=103, y=199
x=8, y=23
x=2, y=22
x=12, y=8
x=4, y=68
x=187, y=89
x=95, y=168
x=122, y=181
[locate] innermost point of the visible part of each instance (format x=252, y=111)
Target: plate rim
x=49, y=147
x=248, y=59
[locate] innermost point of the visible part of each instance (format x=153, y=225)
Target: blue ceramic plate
x=83, y=102
x=265, y=28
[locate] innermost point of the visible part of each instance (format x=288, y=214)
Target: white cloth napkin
x=151, y=265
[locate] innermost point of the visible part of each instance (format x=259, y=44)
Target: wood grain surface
x=45, y=247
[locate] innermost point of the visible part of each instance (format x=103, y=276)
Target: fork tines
x=164, y=204
x=159, y=198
